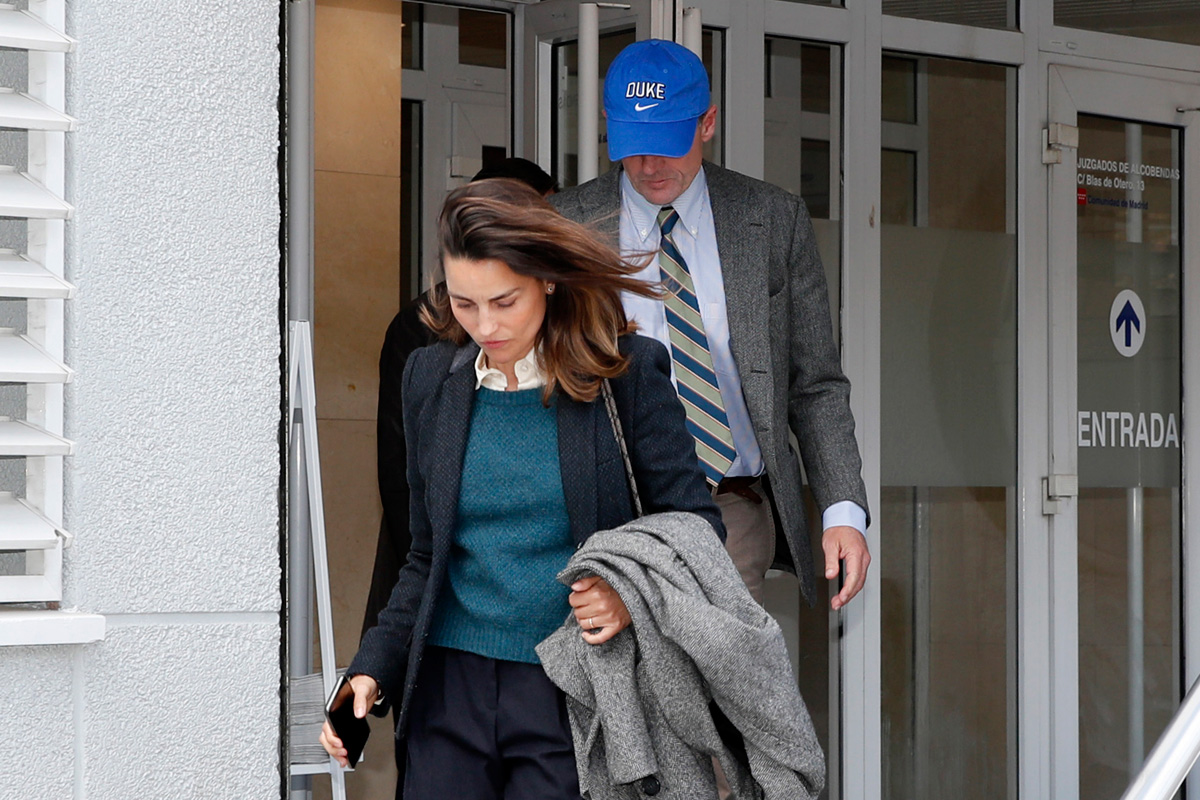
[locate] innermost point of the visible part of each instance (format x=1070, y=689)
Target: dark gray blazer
x=439, y=391
x=779, y=331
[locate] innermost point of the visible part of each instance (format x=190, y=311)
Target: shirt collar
x=529, y=374
x=644, y=214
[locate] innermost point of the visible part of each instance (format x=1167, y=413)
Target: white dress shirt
x=696, y=238
x=529, y=374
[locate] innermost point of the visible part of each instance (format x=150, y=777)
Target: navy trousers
x=487, y=730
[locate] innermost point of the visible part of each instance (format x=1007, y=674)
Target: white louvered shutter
x=31, y=506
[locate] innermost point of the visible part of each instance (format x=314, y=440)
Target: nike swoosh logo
x=640, y=107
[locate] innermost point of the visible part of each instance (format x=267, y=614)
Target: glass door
x=554, y=64
x=1118, y=352
x=454, y=117
x=948, y=386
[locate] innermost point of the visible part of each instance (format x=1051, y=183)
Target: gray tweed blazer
x=779, y=323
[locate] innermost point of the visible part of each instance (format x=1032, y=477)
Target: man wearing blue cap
x=745, y=316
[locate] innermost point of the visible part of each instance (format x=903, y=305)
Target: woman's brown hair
x=508, y=221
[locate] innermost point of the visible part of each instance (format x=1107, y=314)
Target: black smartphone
x=353, y=731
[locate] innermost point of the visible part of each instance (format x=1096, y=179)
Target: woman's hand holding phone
x=362, y=691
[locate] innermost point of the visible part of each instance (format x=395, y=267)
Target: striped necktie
x=695, y=378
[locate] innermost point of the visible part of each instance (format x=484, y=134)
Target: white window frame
x=34, y=523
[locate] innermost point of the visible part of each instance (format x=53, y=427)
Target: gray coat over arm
x=640, y=704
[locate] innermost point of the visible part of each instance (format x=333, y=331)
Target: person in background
x=745, y=315
x=404, y=335
x=512, y=464
x=521, y=169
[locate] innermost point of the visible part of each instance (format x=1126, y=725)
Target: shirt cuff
x=846, y=512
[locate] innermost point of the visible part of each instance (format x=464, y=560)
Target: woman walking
x=513, y=464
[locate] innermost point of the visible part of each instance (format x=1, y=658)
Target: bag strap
x=611, y=405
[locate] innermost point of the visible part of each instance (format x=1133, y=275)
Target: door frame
x=1037, y=48
x=540, y=27
x=438, y=85
x=856, y=722
x=1161, y=98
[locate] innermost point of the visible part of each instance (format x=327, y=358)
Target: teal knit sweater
x=512, y=534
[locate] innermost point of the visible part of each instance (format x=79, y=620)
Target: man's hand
x=843, y=543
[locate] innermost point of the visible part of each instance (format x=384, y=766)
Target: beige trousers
x=750, y=536
x=750, y=542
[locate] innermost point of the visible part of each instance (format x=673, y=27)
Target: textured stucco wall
x=35, y=692
x=182, y=711
x=174, y=338
x=175, y=333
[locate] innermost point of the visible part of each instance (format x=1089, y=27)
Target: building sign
x=1127, y=323
x=1127, y=429
x=1129, y=426
x=1129, y=175
x=1126, y=178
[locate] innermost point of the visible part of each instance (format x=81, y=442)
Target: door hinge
x=1058, y=137
x=1056, y=489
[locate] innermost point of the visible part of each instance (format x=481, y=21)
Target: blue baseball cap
x=654, y=94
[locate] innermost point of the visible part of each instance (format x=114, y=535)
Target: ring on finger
x=590, y=625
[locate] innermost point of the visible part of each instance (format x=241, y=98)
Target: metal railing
x=1173, y=756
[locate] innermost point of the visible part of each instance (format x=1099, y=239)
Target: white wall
x=174, y=494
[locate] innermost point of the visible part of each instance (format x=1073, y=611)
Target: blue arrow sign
x=1129, y=318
